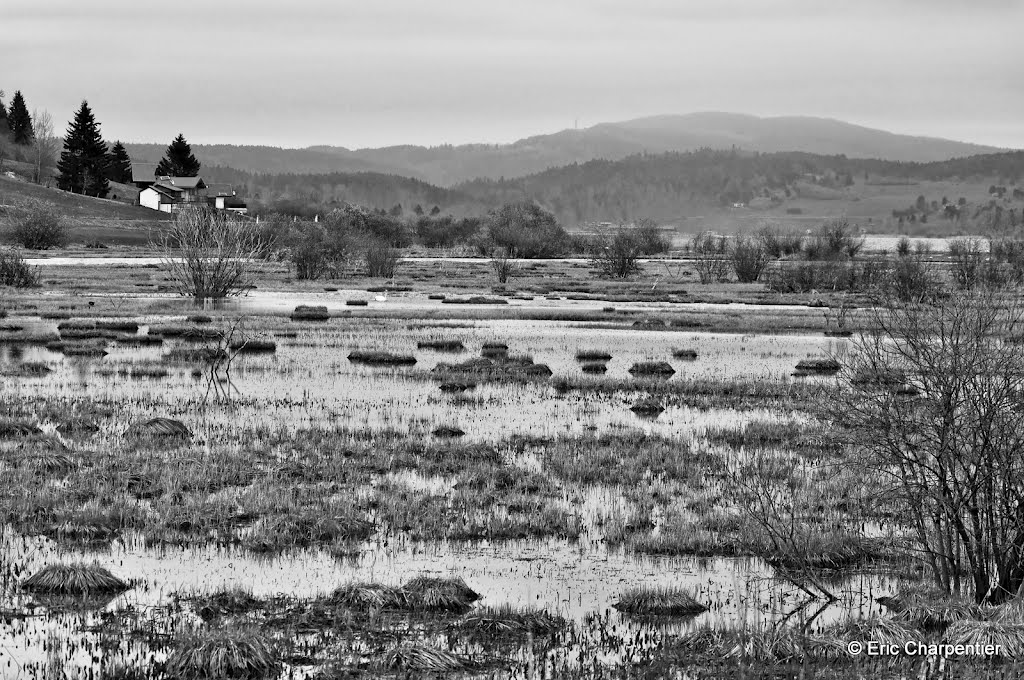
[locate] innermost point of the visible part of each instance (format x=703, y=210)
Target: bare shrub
x=504, y=263
x=948, y=458
x=617, y=257
x=39, y=226
x=15, y=272
x=381, y=260
x=710, y=258
x=778, y=243
x=834, y=239
x=209, y=253
x=749, y=258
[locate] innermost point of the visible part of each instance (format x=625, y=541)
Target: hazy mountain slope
x=448, y=165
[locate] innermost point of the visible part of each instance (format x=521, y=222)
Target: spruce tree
x=19, y=121
x=83, y=162
x=119, y=165
x=178, y=160
x=3, y=114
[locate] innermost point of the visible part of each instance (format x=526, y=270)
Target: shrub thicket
x=39, y=226
x=526, y=229
x=749, y=258
x=616, y=257
x=14, y=271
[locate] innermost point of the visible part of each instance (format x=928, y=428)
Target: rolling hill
x=449, y=165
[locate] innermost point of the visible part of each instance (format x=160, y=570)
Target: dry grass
x=508, y=620
x=818, y=366
x=658, y=368
x=929, y=609
x=1009, y=637
x=159, y=427
x=310, y=313
x=659, y=601
x=223, y=653
x=409, y=657
x=649, y=407
x=74, y=579
x=381, y=358
x=441, y=345
x=592, y=355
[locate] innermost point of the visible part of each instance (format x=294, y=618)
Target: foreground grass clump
x=1008, y=637
x=253, y=346
x=223, y=653
x=648, y=407
x=510, y=369
x=659, y=601
x=929, y=609
x=685, y=354
x=441, y=345
x=381, y=358
x=877, y=628
x=508, y=620
x=74, y=579
x=409, y=657
x=423, y=593
x=310, y=313
x=658, y=368
x=160, y=427
x=818, y=366
x=592, y=355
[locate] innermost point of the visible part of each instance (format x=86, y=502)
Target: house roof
x=143, y=172
x=183, y=182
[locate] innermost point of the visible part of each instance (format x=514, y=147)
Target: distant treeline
x=644, y=184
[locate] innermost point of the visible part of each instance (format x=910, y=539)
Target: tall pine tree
x=3, y=114
x=178, y=160
x=19, y=121
x=119, y=165
x=83, y=162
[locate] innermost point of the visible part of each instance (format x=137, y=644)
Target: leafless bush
x=15, y=272
x=381, y=260
x=38, y=226
x=749, y=258
x=616, y=257
x=709, y=256
x=778, y=243
x=504, y=263
x=209, y=253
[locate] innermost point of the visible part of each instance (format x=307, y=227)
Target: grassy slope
x=90, y=218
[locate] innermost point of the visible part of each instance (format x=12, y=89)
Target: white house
x=167, y=194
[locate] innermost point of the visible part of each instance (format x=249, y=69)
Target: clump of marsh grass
x=160, y=427
x=659, y=601
x=410, y=657
x=371, y=358
x=448, y=431
x=15, y=429
x=648, y=407
x=357, y=303
x=929, y=608
x=365, y=596
x=818, y=366
x=508, y=620
x=656, y=368
x=228, y=652
x=77, y=578
x=310, y=313
x=876, y=628
x=439, y=594
x=474, y=300
x=1008, y=637
x=118, y=326
x=455, y=386
x=685, y=354
x=594, y=368
x=75, y=348
x=649, y=324
x=139, y=340
x=224, y=602
x=198, y=318
x=587, y=355
x=253, y=346
x=441, y=345
x=196, y=333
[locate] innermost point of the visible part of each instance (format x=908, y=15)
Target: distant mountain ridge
x=449, y=165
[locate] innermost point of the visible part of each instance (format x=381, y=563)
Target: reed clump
x=230, y=652
x=310, y=313
x=659, y=601
x=655, y=368
x=379, y=358
x=78, y=578
x=441, y=345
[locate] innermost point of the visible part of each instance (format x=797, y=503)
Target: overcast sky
x=361, y=73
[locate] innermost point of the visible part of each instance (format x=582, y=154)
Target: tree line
x=87, y=164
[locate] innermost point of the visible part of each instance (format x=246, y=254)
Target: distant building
x=143, y=174
x=168, y=194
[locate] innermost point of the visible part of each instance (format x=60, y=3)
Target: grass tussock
x=685, y=354
x=423, y=659
x=655, y=368
x=371, y=358
x=310, y=313
x=74, y=579
x=648, y=407
x=423, y=593
x=659, y=601
x=441, y=345
x=509, y=620
x=160, y=427
x=253, y=346
x=1009, y=637
x=456, y=386
x=223, y=653
x=928, y=608
x=587, y=355
x=194, y=333
x=448, y=431
x=818, y=366
x=474, y=300
x=880, y=629
x=512, y=369
x=594, y=368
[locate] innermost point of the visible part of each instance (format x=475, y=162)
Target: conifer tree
x=19, y=121
x=3, y=114
x=83, y=162
x=178, y=160
x=119, y=165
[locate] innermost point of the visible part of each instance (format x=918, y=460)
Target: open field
x=434, y=478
